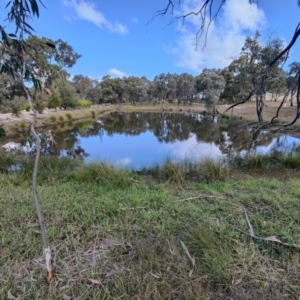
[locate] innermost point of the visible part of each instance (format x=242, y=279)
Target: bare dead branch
x=272, y=238
x=199, y=197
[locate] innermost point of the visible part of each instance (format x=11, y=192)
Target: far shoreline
x=14, y=125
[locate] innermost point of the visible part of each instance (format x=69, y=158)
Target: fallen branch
x=200, y=196
x=272, y=238
x=189, y=256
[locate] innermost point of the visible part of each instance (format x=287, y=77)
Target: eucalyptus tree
x=292, y=80
x=50, y=63
x=210, y=85
x=207, y=12
x=13, y=62
x=82, y=85
x=185, y=88
x=249, y=66
x=108, y=89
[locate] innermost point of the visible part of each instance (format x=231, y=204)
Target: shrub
x=6, y=161
x=26, y=107
x=69, y=116
x=61, y=118
x=15, y=110
x=226, y=117
x=83, y=103
x=39, y=106
x=93, y=114
x=53, y=118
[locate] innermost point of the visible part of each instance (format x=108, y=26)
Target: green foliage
x=54, y=99
x=250, y=161
x=83, y=103
x=288, y=160
x=6, y=161
x=93, y=114
x=39, y=106
x=26, y=107
x=225, y=116
x=15, y=109
x=2, y=132
x=67, y=94
x=69, y=116
x=104, y=174
x=53, y=118
x=61, y=118
x=17, y=127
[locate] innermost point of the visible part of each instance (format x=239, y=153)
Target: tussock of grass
x=69, y=116
x=103, y=173
x=6, y=161
x=251, y=161
x=288, y=160
x=116, y=235
x=174, y=172
x=214, y=170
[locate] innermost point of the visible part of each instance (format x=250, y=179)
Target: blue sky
x=113, y=38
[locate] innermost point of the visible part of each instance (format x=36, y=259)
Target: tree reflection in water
x=229, y=137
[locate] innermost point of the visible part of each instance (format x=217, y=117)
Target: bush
x=69, y=116
x=39, y=106
x=26, y=107
x=83, y=103
x=53, y=118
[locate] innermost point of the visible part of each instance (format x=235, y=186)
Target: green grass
x=69, y=116
x=116, y=234
x=53, y=119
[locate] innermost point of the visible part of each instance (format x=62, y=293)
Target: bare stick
x=198, y=197
x=47, y=251
x=272, y=238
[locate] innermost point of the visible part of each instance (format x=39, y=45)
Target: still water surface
x=137, y=140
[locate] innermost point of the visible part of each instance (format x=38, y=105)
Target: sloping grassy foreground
x=119, y=235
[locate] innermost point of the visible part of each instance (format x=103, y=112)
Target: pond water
x=137, y=140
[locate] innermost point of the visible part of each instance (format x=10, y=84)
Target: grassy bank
x=170, y=233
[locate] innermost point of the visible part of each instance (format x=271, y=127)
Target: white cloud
x=135, y=20
x=225, y=38
x=124, y=161
x=86, y=11
x=116, y=72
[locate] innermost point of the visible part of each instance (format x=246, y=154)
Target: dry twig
x=271, y=238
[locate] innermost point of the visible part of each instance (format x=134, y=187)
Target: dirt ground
x=13, y=124
x=248, y=111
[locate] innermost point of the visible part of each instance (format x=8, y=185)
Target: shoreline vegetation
x=14, y=125
x=170, y=232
